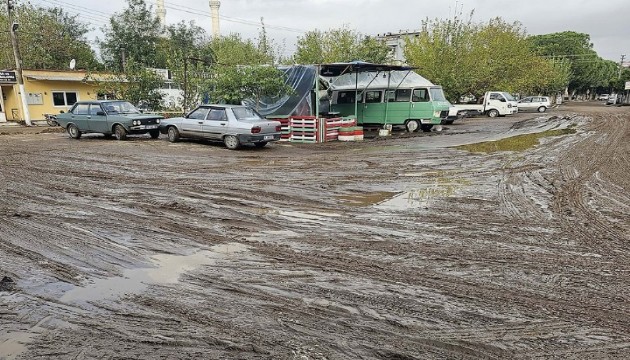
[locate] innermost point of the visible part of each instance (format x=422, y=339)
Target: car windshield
x=509, y=97
x=437, y=94
x=120, y=107
x=246, y=114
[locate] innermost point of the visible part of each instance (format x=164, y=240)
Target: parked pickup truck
x=494, y=103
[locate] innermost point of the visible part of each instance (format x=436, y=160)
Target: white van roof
x=379, y=80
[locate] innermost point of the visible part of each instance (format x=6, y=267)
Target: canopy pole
x=319, y=69
x=386, y=95
x=356, y=96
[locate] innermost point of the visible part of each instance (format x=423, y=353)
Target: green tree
x=588, y=70
x=183, y=50
x=134, y=34
x=339, y=45
x=138, y=85
x=470, y=58
x=49, y=39
x=234, y=84
x=242, y=69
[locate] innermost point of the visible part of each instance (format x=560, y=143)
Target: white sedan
x=534, y=103
x=235, y=125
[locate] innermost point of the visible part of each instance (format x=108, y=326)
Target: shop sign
x=8, y=77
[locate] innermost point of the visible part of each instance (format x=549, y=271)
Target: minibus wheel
x=412, y=125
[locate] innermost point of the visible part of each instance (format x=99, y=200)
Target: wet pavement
x=400, y=248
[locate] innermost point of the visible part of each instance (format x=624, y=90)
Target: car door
x=97, y=120
x=79, y=117
x=216, y=125
x=193, y=122
x=496, y=101
x=525, y=104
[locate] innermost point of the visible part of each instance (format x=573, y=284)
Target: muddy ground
x=398, y=248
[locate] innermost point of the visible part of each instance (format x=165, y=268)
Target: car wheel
x=493, y=113
x=542, y=109
x=231, y=142
x=173, y=134
x=154, y=134
x=120, y=132
x=73, y=131
x=426, y=128
x=412, y=125
x=260, y=144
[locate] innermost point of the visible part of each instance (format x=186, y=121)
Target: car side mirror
x=100, y=113
x=503, y=100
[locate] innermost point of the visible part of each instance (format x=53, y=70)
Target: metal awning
x=337, y=69
x=56, y=78
x=81, y=78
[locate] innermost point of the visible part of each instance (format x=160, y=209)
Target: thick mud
x=397, y=248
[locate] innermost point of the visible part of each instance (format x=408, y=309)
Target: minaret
x=214, y=11
x=161, y=11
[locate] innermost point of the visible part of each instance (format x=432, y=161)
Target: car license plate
x=152, y=126
x=268, y=137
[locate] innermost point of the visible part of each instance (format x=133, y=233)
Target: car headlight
x=157, y=121
x=136, y=122
x=509, y=106
x=436, y=114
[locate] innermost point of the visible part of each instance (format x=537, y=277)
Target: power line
x=93, y=14
x=194, y=11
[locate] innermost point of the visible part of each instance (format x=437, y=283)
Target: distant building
x=172, y=95
x=396, y=43
x=47, y=91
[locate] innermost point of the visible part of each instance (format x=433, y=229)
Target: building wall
x=396, y=43
x=40, y=93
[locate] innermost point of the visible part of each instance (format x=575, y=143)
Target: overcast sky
x=607, y=22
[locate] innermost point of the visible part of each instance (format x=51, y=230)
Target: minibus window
x=403, y=95
x=420, y=95
x=373, y=96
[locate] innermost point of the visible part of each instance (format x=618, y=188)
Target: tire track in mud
x=492, y=268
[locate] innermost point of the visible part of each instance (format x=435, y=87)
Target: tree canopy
x=339, y=45
x=49, y=39
x=587, y=69
x=470, y=58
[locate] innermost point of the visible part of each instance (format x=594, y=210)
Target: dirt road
x=404, y=248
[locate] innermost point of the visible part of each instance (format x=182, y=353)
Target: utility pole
x=13, y=26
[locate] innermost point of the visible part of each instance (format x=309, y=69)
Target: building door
x=3, y=115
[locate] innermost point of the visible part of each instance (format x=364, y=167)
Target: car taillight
x=256, y=129
x=278, y=128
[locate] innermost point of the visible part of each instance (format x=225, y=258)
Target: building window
x=64, y=98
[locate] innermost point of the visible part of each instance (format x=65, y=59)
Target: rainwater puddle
x=410, y=199
x=366, y=199
x=15, y=345
x=167, y=270
x=515, y=143
x=419, y=198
